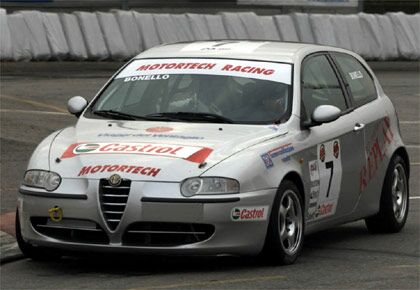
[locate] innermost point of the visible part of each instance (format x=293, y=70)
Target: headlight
x=209, y=185
x=42, y=179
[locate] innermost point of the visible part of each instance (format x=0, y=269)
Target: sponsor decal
x=356, y=75
x=236, y=213
x=85, y=148
x=258, y=213
x=141, y=68
x=278, y=151
x=231, y=46
x=275, y=128
x=287, y=148
x=146, y=78
x=176, y=66
x=375, y=152
x=311, y=211
x=141, y=135
x=132, y=169
x=247, y=69
x=336, y=149
x=56, y=214
x=325, y=209
x=190, y=153
x=287, y=158
x=267, y=160
x=314, y=194
x=313, y=170
x=322, y=153
x=159, y=129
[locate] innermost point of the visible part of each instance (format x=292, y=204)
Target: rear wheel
x=394, y=202
x=285, y=231
x=30, y=251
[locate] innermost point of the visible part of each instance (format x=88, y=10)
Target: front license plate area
x=170, y=212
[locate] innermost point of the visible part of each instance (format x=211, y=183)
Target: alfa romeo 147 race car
x=218, y=147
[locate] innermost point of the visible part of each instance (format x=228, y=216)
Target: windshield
x=198, y=90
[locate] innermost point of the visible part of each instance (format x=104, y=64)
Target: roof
x=239, y=49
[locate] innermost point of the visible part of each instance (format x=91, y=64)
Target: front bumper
x=150, y=202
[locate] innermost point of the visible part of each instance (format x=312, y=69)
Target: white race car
x=218, y=147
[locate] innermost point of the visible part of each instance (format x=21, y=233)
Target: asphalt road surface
x=33, y=104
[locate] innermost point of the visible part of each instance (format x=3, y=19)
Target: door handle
x=358, y=127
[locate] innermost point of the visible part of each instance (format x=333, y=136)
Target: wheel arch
x=295, y=177
x=402, y=152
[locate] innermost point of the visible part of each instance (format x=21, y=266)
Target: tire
x=30, y=251
x=394, y=203
x=285, y=232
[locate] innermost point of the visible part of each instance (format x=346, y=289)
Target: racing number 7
x=328, y=165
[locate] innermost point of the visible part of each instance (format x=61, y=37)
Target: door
x=372, y=120
x=334, y=153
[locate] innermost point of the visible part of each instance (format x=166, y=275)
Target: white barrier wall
x=405, y=35
x=74, y=36
x=286, y=28
x=303, y=27
x=130, y=31
x=112, y=36
x=147, y=29
x=92, y=35
x=5, y=37
x=199, y=27
x=55, y=36
x=120, y=35
x=20, y=42
x=37, y=35
x=183, y=27
x=269, y=28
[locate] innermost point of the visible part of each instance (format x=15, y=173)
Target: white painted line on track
x=414, y=163
x=409, y=122
x=34, y=103
x=33, y=112
x=414, y=197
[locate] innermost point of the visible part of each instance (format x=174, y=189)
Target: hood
x=158, y=151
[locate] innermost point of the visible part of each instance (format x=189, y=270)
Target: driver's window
x=320, y=85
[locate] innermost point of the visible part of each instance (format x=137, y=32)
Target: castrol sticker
x=189, y=153
x=276, y=72
x=249, y=214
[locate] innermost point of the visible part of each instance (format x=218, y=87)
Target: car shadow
x=138, y=265
x=348, y=233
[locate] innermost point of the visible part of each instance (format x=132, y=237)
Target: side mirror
x=324, y=114
x=76, y=105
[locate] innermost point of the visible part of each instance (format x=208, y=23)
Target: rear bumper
x=229, y=237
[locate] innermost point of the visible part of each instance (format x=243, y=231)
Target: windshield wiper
x=125, y=116
x=192, y=116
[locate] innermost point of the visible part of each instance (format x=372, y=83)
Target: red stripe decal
x=69, y=151
x=200, y=156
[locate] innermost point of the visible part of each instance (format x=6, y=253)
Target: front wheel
x=394, y=202
x=285, y=231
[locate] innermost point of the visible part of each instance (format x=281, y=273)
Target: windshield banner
x=276, y=72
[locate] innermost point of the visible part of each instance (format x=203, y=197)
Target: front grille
x=113, y=200
x=70, y=230
x=165, y=234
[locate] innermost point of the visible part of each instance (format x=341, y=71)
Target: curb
x=9, y=250
x=10, y=259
